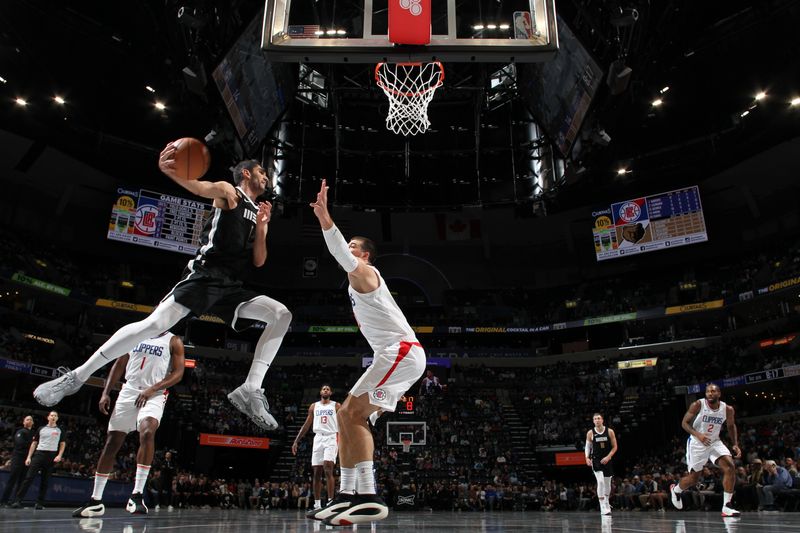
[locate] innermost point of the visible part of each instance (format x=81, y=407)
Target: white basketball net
x=410, y=88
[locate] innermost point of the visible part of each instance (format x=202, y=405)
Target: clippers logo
x=146, y=219
x=629, y=212
x=379, y=394
x=414, y=6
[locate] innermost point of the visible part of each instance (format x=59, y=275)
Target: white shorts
x=126, y=416
x=698, y=454
x=325, y=449
x=393, y=371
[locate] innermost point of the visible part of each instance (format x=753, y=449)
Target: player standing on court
x=139, y=407
x=399, y=362
x=703, y=421
x=322, y=415
x=234, y=238
x=601, y=445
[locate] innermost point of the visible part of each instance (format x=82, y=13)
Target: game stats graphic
x=650, y=223
x=157, y=220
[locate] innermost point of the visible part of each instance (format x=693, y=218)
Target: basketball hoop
x=406, y=445
x=410, y=88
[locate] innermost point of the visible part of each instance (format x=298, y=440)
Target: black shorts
x=606, y=469
x=213, y=291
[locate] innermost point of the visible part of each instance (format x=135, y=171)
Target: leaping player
x=398, y=363
x=139, y=407
x=322, y=415
x=234, y=238
x=703, y=421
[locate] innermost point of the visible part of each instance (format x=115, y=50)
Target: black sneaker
x=16, y=505
x=136, y=504
x=90, y=509
x=339, y=503
x=38, y=507
x=363, y=508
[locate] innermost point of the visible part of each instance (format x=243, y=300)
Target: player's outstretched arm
x=175, y=375
x=733, y=433
x=336, y=243
x=304, y=429
x=222, y=192
x=113, y=378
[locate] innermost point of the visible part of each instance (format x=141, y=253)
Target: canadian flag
x=456, y=227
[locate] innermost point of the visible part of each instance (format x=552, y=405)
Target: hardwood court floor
x=58, y=520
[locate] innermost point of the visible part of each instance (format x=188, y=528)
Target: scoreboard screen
x=158, y=220
x=656, y=222
x=406, y=405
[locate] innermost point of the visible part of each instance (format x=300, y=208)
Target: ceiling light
x=331, y=32
x=21, y=102
x=745, y=113
x=504, y=26
x=340, y=32
x=60, y=101
x=657, y=102
x=760, y=96
x=477, y=27
x=795, y=101
x=622, y=171
x=319, y=32
x=491, y=26
x=664, y=89
x=3, y=80
x=160, y=106
x=150, y=89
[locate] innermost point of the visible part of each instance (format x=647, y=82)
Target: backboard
x=356, y=31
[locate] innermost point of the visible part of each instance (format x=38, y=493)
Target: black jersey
x=227, y=238
x=22, y=442
x=601, y=443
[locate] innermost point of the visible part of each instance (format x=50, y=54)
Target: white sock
x=278, y=318
x=317, y=504
x=100, y=481
x=347, y=481
x=608, y=486
x=365, y=481
x=166, y=315
x=726, y=498
x=142, y=471
x=678, y=488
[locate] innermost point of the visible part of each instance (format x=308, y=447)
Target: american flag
x=308, y=31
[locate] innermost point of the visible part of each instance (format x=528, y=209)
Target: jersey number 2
x=710, y=428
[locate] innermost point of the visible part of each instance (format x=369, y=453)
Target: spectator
x=776, y=481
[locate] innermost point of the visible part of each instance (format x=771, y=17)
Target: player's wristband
x=338, y=248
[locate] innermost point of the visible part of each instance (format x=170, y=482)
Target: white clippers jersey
x=148, y=362
x=708, y=421
x=380, y=319
x=325, y=418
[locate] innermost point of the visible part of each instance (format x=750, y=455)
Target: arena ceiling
x=714, y=57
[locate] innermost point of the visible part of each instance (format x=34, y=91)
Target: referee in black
x=45, y=450
x=22, y=443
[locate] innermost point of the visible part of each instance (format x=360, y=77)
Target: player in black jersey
x=234, y=237
x=601, y=445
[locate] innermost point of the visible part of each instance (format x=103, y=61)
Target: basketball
x=192, y=158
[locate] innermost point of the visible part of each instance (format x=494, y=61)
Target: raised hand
x=320, y=206
x=166, y=161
